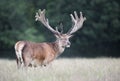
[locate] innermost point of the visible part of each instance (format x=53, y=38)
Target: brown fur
x=37, y=53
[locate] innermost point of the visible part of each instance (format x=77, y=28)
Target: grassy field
x=76, y=69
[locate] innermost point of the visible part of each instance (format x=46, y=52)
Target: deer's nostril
x=69, y=43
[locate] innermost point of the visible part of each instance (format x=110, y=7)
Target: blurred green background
x=100, y=35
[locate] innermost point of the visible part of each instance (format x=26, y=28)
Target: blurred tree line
x=100, y=35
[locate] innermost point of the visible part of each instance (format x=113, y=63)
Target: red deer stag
x=34, y=54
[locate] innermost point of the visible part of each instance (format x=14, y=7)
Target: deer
x=40, y=54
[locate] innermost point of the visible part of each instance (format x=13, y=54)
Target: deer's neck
x=58, y=48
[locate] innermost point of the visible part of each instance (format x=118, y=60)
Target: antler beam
x=40, y=16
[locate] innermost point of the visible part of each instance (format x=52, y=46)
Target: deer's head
x=62, y=39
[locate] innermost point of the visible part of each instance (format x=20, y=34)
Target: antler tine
x=40, y=16
x=61, y=27
x=77, y=22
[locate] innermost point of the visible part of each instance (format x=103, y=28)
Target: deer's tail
x=18, y=49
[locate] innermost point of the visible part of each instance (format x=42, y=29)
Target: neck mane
x=58, y=48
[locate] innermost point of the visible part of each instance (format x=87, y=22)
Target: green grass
x=76, y=69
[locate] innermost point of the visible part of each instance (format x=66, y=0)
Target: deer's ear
x=57, y=35
x=70, y=36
